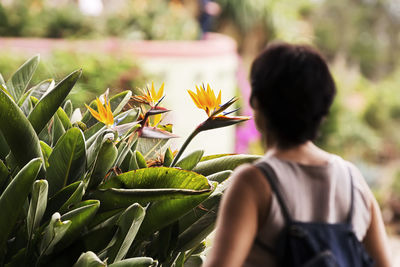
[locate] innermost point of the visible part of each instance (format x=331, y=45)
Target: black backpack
x=315, y=244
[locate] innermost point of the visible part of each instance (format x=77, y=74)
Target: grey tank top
x=311, y=193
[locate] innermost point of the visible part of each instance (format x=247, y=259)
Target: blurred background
x=125, y=44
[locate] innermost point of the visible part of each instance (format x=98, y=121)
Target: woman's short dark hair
x=294, y=90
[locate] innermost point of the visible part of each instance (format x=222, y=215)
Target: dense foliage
x=103, y=187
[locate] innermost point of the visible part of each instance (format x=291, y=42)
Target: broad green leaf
x=162, y=213
x=101, y=217
x=220, y=176
x=223, y=163
x=75, y=198
x=191, y=160
x=150, y=184
x=67, y=161
x=14, y=197
x=89, y=259
x=104, y=161
x=37, y=205
x=49, y=103
x=79, y=217
x=210, y=203
x=46, y=151
x=197, y=224
x=135, y=262
x=55, y=202
x=94, y=148
x=20, y=79
x=18, y=132
x=57, y=130
x=53, y=233
x=128, y=226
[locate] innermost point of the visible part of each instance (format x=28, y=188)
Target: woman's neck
x=307, y=154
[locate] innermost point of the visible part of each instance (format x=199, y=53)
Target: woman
x=292, y=90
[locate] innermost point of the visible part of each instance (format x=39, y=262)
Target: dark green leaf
x=80, y=217
x=37, y=205
x=53, y=233
x=49, y=103
x=128, y=226
x=17, y=131
x=67, y=161
x=14, y=197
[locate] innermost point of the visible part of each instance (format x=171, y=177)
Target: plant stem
x=187, y=141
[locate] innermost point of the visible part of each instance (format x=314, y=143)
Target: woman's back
x=318, y=193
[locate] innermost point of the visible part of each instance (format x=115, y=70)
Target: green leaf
x=20, y=79
x=205, y=158
x=57, y=130
x=49, y=103
x=37, y=205
x=191, y=160
x=66, y=123
x=79, y=217
x=150, y=184
x=4, y=148
x=62, y=196
x=135, y=262
x=128, y=226
x=75, y=198
x=168, y=157
x=14, y=197
x=94, y=147
x=67, y=161
x=68, y=108
x=53, y=233
x=197, y=224
x=17, y=131
x=220, y=176
x=104, y=161
x=223, y=163
x=162, y=213
x=89, y=259
x=140, y=160
x=2, y=79
x=4, y=176
x=42, y=88
x=46, y=151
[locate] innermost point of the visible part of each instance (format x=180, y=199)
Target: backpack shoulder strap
x=351, y=209
x=270, y=175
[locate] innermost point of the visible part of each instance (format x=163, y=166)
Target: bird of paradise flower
x=205, y=99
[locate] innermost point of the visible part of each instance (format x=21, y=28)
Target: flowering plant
x=103, y=187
